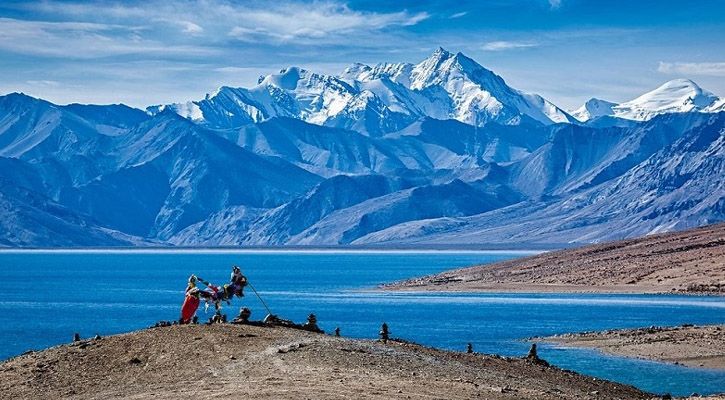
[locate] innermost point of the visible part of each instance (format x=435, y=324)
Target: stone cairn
x=469, y=348
x=311, y=323
x=217, y=318
x=76, y=337
x=337, y=331
x=384, y=333
x=244, y=314
x=533, y=356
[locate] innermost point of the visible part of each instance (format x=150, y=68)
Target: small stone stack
x=311, y=323
x=243, y=317
x=533, y=356
x=384, y=333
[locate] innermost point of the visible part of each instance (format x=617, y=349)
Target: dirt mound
x=237, y=361
x=691, y=261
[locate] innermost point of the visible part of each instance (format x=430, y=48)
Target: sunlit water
x=50, y=295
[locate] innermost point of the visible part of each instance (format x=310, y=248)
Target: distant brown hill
x=691, y=261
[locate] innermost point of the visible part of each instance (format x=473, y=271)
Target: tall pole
x=259, y=297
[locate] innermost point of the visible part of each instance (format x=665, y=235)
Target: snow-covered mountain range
x=436, y=153
x=375, y=100
x=676, y=96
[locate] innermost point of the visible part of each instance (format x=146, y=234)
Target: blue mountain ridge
x=365, y=158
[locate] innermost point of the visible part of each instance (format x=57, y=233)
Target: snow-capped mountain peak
x=675, y=96
x=445, y=85
x=442, y=66
x=593, y=108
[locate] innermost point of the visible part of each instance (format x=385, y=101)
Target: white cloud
x=291, y=21
x=192, y=28
x=555, y=3
x=81, y=40
x=458, y=15
x=236, y=70
x=505, y=45
x=43, y=83
x=690, y=68
x=253, y=20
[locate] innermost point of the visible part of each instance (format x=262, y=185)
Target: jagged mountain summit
x=438, y=153
x=676, y=96
x=376, y=100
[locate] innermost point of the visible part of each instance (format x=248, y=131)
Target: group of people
x=212, y=294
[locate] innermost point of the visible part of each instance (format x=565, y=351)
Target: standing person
x=191, y=302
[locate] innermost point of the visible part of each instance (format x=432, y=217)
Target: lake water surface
x=49, y=295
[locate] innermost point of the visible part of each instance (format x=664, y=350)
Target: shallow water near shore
x=51, y=295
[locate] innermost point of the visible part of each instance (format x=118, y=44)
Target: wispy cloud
x=43, y=83
x=192, y=28
x=555, y=4
x=506, y=45
x=80, y=40
x=691, y=68
x=236, y=70
x=292, y=21
x=458, y=15
x=246, y=21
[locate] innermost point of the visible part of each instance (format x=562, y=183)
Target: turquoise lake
x=49, y=295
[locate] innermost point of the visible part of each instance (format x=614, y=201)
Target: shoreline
x=539, y=289
x=266, y=250
x=694, y=346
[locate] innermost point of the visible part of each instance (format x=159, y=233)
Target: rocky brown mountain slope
x=691, y=261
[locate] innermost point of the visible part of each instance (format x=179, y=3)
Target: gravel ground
x=238, y=361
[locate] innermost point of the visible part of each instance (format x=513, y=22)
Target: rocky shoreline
x=694, y=346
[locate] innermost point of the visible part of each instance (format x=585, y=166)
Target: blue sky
x=149, y=52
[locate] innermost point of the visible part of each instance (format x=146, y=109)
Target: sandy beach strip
x=694, y=346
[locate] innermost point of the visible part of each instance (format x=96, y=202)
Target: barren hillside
x=233, y=361
x=690, y=261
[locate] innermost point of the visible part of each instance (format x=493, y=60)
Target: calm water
x=50, y=295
